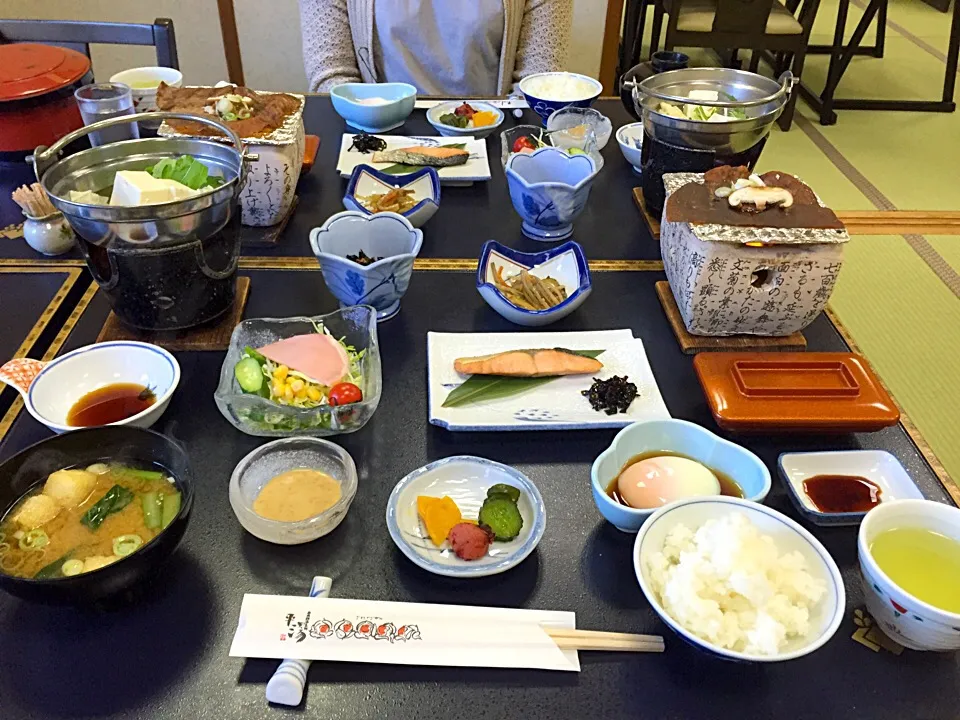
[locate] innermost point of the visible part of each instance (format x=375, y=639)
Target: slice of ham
x=318, y=356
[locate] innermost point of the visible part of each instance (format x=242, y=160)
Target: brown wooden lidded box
x=806, y=392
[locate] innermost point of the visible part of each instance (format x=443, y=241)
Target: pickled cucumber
x=502, y=516
x=507, y=491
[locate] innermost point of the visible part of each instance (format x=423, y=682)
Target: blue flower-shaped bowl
x=549, y=189
x=679, y=436
x=566, y=264
x=387, y=236
x=425, y=184
x=533, y=90
x=399, y=100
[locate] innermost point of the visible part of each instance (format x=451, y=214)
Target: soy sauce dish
x=87, y=515
x=62, y=383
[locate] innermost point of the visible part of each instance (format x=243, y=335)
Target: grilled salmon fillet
x=434, y=156
x=528, y=363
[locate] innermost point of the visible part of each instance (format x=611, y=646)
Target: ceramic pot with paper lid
x=165, y=266
x=682, y=130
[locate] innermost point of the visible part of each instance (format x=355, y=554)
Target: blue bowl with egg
x=374, y=107
x=684, y=441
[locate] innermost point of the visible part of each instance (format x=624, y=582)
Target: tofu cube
x=36, y=511
x=69, y=488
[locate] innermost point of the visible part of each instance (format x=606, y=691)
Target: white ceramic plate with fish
x=476, y=169
x=465, y=480
x=554, y=405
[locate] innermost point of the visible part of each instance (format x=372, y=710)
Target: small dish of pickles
x=465, y=119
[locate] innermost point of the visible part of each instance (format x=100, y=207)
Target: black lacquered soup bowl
x=121, y=444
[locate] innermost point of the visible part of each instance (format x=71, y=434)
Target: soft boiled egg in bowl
x=654, y=463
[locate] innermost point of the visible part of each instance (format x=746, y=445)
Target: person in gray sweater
x=442, y=47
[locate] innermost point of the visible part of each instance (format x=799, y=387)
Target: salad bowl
x=355, y=327
x=387, y=236
x=549, y=189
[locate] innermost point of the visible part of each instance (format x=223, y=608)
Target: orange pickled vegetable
x=439, y=515
x=484, y=117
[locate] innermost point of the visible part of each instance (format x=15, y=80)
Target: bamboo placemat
x=692, y=344
x=214, y=336
x=861, y=222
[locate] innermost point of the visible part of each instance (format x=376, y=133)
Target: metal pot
x=761, y=98
x=165, y=266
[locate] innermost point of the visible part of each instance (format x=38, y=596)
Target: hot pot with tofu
x=158, y=219
x=86, y=516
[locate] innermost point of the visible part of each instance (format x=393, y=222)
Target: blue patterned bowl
x=537, y=95
x=425, y=184
x=549, y=189
x=387, y=236
x=565, y=263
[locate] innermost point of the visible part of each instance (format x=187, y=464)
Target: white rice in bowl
x=559, y=87
x=729, y=584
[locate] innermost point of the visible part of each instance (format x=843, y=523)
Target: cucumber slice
x=249, y=374
x=502, y=516
x=504, y=490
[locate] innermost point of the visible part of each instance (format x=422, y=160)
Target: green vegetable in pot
x=171, y=507
x=186, y=170
x=502, y=516
x=116, y=499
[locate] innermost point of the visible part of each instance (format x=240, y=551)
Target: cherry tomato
x=523, y=144
x=344, y=394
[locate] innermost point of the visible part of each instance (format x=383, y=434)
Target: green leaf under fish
x=477, y=388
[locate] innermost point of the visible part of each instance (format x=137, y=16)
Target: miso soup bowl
x=50, y=389
x=127, y=445
x=910, y=621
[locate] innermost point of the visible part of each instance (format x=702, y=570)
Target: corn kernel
x=301, y=393
x=297, y=385
x=277, y=389
x=287, y=393
x=313, y=394
x=280, y=373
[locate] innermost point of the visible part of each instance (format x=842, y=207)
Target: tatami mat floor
x=899, y=297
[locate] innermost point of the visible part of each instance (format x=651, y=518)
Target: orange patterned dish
x=805, y=392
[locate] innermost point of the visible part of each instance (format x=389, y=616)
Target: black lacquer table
x=164, y=654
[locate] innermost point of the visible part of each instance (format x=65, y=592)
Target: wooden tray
x=653, y=223
x=269, y=236
x=692, y=344
x=212, y=336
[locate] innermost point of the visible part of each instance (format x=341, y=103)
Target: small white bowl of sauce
x=110, y=383
x=293, y=490
x=839, y=487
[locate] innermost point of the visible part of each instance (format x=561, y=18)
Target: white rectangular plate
x=556, y=405
x=476, y=169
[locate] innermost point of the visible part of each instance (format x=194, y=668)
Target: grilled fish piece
x=528, y=363
x=434, y=156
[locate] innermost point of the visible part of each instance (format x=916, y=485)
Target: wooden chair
x=761, y=26
x=79, y=35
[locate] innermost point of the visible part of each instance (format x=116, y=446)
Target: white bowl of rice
x=738, y=579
